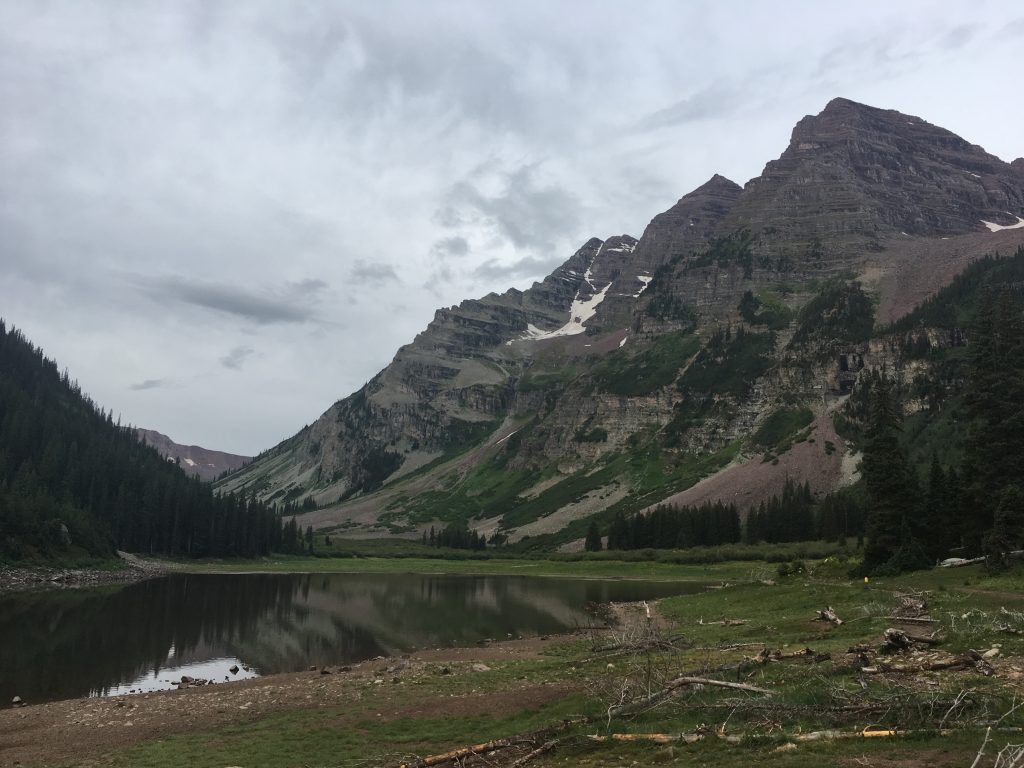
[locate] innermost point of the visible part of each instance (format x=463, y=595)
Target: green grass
x=335, y=736
x=634, y=373
x=781, y=425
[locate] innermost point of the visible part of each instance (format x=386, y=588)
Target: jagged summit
x=1018, y=164
x=853, y=174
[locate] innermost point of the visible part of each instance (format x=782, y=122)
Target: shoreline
x=24, y=579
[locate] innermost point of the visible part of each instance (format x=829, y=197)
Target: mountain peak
x=1018, y=164
x=717, y=184
x=853, y=173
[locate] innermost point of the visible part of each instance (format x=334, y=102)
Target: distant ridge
x=202, y=462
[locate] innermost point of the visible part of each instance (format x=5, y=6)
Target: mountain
x=711, y=360
x=73, y=483
x=195, y=460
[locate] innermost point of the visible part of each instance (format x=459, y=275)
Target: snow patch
x=623, y=342
x=975, y=175
x=646, y=280
x=190, y=462
x=624, y=248
x=579, y=313
x=1000, y=227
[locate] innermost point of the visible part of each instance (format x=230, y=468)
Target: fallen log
x=543, y=749
x=968, y=661
x=898, y=640
x=462, y=753
x=722, y=622
x=960, y=562
x=680, y=682
x=829, y=615
x=657, y=738
x=766, y=655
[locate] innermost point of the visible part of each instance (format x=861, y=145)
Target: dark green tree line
x=70, y=477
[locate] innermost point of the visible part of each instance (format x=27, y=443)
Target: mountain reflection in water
x=69, y=643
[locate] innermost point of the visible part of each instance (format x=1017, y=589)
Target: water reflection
x=141, y=636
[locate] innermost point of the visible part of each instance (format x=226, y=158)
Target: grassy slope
x=781, y=615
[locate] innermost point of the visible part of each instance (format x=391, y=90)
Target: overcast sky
x=221, y=217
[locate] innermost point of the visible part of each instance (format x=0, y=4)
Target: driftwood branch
x=967, y=661
x=722, y=622
x=680, y=682
x=461, y=753
x=543, y=749
x=829, y=615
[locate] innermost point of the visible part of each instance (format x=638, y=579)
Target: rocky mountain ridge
x=669, y=351
x=202, y=462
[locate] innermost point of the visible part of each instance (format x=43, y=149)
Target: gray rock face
x=452, y=384
x=689, y=224
x=1018, y=165
x=854, y=173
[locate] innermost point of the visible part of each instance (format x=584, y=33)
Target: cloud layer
x=221, y=217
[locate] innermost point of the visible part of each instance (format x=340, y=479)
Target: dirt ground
x=80, y=729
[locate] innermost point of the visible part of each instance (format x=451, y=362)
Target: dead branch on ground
x=830, y=616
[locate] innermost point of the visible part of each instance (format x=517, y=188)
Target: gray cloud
x=364, y=273
x=528, y=266
x=1012, y=29
x=528, y=213
x=236, y=358
x=292, y=305
x=450, y=246
x=717, y=101
x=149, y=384
x=959, y=36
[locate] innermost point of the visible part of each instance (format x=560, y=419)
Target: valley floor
x=753, y=631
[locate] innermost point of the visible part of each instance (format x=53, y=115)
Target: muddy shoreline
x=76, y=730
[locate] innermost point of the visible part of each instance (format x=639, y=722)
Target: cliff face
x=640, y=365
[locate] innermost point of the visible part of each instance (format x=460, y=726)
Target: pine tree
x=937, y=538
x=1007, y=528
x=995, y=406
x=593, y=540
x=890, y=484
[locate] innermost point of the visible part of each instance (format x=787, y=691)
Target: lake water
x=145, y=636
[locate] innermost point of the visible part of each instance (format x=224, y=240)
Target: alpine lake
x=145, y=636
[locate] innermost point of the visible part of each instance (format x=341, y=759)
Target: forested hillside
x=74, y=482
x=967, y=498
